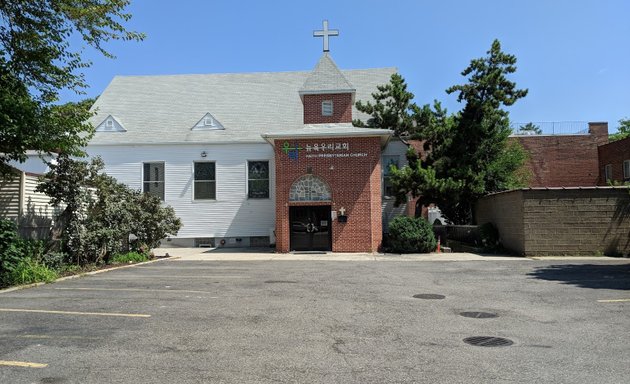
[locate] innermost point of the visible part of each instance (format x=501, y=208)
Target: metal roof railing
x=535, y=128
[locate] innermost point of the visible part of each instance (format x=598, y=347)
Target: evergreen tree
x=469, y=152
x=393, y=109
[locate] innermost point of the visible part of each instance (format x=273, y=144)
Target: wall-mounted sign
x=323, y=147
x=293, y=151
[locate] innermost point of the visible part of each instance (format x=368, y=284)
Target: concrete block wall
x=577, y=221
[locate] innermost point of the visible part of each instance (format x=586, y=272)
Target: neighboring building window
x=608, y=172
x=626, y=170
x=205, y=187
x=389, y=160
x=327, y=108
x=153, y=179
x=258, y=179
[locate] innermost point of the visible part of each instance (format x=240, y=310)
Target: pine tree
x=469, y=152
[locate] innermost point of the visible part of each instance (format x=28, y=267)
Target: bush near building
x=411, y=235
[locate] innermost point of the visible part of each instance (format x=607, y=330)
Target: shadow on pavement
x=596, y=276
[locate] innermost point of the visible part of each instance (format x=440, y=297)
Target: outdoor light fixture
x=204, y=154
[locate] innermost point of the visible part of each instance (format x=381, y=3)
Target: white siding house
x=168, y=124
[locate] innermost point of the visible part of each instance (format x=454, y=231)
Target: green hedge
x=411, y=235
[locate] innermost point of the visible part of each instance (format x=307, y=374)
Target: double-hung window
x=153, y=179
x=608, y=172
x=389, y=160
x=626, y=170
x=258, y=179
x=205, y=186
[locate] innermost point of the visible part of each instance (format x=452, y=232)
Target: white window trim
x=216, y=189
x=247, y=180
x=142, y=176
x=626, y=170
x=332, y=110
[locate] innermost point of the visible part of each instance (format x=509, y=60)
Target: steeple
x=326, y=78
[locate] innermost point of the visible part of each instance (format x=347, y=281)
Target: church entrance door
x=310, y=228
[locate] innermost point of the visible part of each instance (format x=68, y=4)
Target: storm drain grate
x=488, y=341
x=478, y=315
x=429, y=296
x=280, y=282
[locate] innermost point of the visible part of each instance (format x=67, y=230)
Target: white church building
x=239, y=156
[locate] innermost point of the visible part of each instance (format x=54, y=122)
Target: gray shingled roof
x=163, y=109
x=325, y=78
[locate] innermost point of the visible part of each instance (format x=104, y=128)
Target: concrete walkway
x=250, y=254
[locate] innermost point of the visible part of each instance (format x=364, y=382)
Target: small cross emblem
x=325, y=33
x=342, y=211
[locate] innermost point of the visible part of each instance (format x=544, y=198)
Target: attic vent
x=327, y=108
x=110, y=124
x=207, y=122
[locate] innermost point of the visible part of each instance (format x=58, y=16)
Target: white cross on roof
x=325, y=33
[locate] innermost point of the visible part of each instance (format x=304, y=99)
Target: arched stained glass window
x=309, y=188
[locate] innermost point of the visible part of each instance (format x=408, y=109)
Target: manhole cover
x=429, y=296
x=488, y=341
x=479, y=315
x=280, y=282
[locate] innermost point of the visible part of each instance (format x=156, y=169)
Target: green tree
x=623, y=130
x=392, y=109
x=37, y=61
x=469, y=155
x=529, y=129
x=100, y=213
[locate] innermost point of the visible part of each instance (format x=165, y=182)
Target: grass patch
x=29, y=271
x=130, y=257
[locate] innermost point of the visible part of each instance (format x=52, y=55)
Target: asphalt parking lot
x=323, y=322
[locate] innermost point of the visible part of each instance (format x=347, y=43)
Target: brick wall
x=614, y=153
x=355, y=182
x=342, y=108
x=580, y=221
x=564, y=160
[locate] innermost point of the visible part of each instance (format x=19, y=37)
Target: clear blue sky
x=573, y=56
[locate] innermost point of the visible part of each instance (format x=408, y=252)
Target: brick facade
x=564, y=160
x=615, y=154
x=342, y=108
x=355, y=181
x=578, y=221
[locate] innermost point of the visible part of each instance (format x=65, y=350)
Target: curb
x=33, y=285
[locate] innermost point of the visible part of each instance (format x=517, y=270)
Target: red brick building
x=614, y=161
x=564, y=160
x=328, y=174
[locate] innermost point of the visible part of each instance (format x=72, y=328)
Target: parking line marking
x=25, y=364
x=130, y=290
x=74, y=313
x=613, y=301
x=127, y=277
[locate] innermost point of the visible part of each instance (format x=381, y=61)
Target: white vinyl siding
x=232, y=214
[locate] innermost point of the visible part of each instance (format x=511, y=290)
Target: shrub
x=130, y=257
x=411, y=235
x=30, y=271
x=490, y=237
